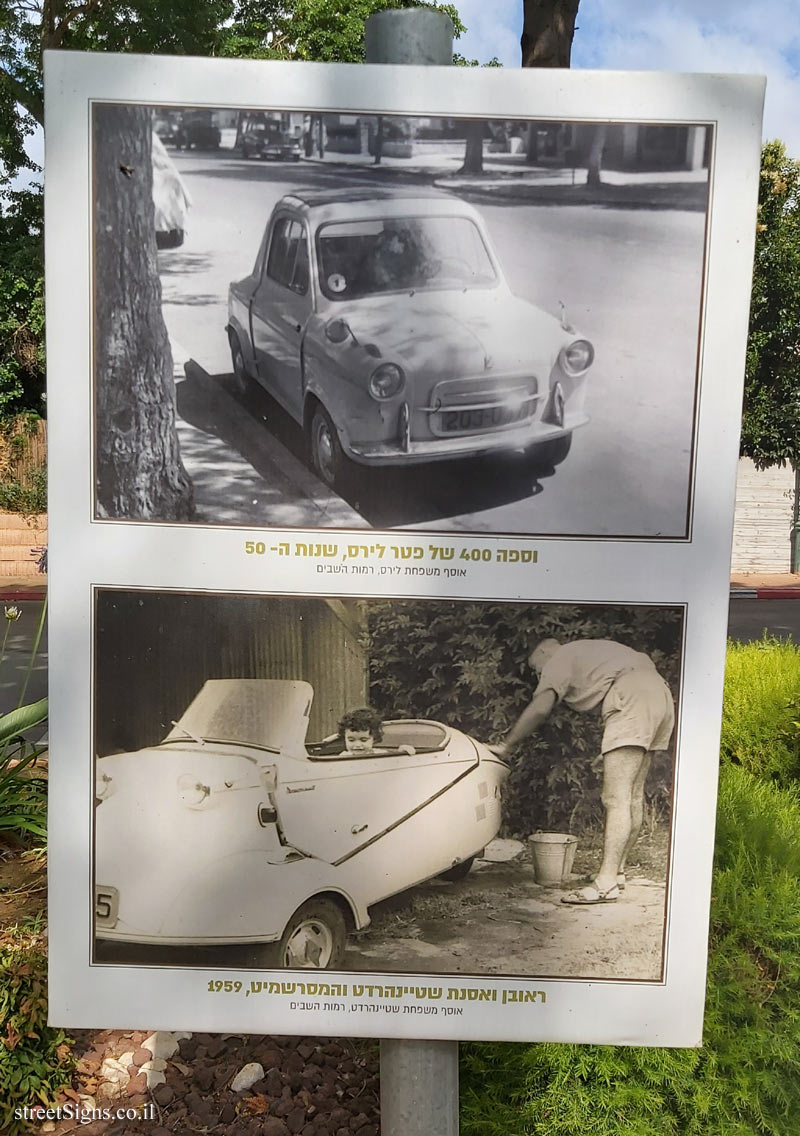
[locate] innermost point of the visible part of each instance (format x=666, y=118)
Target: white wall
x=762, y=531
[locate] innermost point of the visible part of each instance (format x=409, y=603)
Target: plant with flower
x=23, y=788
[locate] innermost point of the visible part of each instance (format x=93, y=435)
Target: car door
x=333, y=809
x=280, y=309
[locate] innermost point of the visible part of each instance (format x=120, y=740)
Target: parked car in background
x=382, y=321
x=170, y=198
x=245, y=833
x=269, y=140
x=199, y=131
x=169, y=128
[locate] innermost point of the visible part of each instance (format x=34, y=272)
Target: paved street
x=631, y=282
x=21, y=680
x=750, y=619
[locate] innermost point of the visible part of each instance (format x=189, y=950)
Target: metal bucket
x=553, y=854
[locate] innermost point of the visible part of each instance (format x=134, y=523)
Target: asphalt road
x=22, y=679
x=751, y=619
x=631, y=281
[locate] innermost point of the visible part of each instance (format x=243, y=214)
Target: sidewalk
x=15, y=589
x=509, y=175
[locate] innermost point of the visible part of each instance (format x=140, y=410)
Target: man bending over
x=638, y=717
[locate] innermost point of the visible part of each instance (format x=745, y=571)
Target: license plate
x=106, y=905
x=485, y=418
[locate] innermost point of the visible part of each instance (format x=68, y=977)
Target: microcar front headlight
x=577, y=357
x=386, y=381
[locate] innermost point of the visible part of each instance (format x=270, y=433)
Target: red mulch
x=311, y=1087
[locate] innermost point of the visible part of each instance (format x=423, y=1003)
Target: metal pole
x=419, y=1088
x=409, y=35
x=419, y=1079
x=795, y=557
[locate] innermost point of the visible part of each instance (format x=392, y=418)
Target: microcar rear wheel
x=241, y=378
x=314, y=938
x=325, y=450
x=458, y=871
x=547, y=455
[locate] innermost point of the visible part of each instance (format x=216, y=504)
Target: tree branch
x=32, y=101
x=54, y=30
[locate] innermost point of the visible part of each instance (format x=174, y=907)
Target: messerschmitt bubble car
x=247, y=834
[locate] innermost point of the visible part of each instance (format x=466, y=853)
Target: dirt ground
x=23, y=885
x=500, y=921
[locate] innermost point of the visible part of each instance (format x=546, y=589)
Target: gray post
x=409, y=35
x=419, y=1088
x=419, y=1079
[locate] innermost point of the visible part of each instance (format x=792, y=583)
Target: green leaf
x=24, y=718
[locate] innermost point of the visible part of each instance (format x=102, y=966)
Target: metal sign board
x=394, y=418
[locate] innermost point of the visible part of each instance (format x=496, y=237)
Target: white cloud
x=719, y=35
x=493, y=29
x=671, y=35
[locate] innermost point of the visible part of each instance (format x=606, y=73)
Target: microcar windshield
x=271, y=714
x=370, y=257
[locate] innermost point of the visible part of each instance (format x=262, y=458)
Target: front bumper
x=464, y=446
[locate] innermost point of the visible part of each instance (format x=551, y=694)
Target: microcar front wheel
x=327, y=456
x=314, y=938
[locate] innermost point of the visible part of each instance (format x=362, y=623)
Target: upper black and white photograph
x=358, y=321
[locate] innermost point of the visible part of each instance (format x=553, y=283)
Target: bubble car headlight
x=386, y=381
x=577, y=357
x=192, y=792
x=104, y=787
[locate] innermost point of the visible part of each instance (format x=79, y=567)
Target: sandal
x=592, y=894
x=621, y=881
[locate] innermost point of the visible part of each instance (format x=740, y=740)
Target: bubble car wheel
x=314, y=938
x=458, y=871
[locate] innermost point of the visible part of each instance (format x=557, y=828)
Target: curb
x=765, y=593
x=15, y=596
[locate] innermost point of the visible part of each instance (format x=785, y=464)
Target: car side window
x=278, y=268
x=258, y=267
x=301, y=274
x=287, y=263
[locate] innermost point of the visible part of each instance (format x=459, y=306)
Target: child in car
x=361, y=730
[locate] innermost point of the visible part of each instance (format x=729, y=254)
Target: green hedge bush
x=466, y=664
x=761, y=709
x=745, y=1080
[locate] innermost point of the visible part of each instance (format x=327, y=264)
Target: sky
x=668, y=35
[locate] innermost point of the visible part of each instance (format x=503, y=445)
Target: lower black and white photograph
x=410, y=786
x=384, y=321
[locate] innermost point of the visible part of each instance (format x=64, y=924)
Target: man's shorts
x=638, y=711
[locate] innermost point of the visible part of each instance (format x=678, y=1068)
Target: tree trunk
x=596, y=155
x=473, y=153
x=547, y=32
x=139, y=469
x=379, y=141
